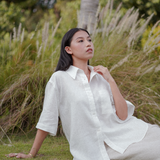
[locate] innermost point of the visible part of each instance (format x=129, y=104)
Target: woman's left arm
x=120, y=103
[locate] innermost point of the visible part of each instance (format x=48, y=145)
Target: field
x=53, y=148
x=27, y=60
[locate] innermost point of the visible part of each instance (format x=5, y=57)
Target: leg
x=147, y=149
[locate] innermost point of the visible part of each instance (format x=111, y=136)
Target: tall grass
x=29, y=59
x=26, y=65
x=135, y=68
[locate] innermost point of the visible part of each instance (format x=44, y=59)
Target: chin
x=90, y=57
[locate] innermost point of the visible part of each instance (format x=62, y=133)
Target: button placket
x=91, y=101
x=94, y=114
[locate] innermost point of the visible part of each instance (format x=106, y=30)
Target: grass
x=53, y=148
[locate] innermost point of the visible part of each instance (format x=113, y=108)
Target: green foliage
x=151, y=37
x=27, y=60
x=32, y=16
x=145, y=7
x=69, y=15
x=24, y=76
x=23, y=3
x=10, y=17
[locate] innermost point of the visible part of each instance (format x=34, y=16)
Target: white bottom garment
x=147, y=149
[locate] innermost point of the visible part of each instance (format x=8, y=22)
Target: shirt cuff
x=131, y=108
x=50, y=130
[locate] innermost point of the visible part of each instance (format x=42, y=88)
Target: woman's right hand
x=19, y=155
x=40, y=136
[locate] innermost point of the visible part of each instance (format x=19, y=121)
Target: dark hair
x=65, y=59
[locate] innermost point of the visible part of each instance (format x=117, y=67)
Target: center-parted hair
x=65, y=59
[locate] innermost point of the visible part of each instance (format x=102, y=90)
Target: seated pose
x=97, y=121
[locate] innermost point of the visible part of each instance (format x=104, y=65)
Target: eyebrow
x=82, y=37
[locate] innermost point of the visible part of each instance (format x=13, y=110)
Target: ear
x=68, y=50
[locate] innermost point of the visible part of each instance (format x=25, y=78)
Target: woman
x=96, y=119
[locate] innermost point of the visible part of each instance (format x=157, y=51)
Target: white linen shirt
x=88, y=115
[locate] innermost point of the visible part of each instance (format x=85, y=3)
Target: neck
x=83, y=66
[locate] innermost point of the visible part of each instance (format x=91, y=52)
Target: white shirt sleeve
x=131, y=108
x=49, y=117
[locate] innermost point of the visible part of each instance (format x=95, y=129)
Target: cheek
x=75, y=46
x=78, y=48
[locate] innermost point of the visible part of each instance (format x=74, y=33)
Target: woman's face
x=81, y=47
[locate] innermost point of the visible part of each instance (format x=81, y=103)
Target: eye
x=80, y=40
x=89, y=40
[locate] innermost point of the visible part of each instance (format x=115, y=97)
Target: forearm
x=40, y=136
x=120, y=103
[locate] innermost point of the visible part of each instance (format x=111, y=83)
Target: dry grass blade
x=4, y=134
x=55, y=29
x=121, y=62
x=116, y=39
x=157, y=69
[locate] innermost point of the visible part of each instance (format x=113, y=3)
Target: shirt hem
x=122, y=150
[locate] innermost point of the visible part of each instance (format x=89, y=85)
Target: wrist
x=110, y=80
x=31, y=155
x=34, y=151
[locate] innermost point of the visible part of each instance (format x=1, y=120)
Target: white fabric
x=147, y=149
x=88, y=115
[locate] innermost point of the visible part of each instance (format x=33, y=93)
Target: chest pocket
x=105, y=102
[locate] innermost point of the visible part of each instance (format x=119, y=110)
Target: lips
x=89, y=50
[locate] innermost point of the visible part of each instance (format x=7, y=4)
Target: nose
x=88, y=43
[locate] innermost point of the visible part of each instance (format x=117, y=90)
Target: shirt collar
x=72, y=71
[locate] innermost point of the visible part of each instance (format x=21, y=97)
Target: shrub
x=150, y=39
x=32, y=57
x=10, y=17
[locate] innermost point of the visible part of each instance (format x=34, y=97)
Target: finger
x=19, y=155
x=97, y=68
x=11, y=155
x=7, y=155
x=100, y=73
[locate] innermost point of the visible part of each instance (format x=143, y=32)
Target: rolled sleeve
x=131, y=108
x=49, y=117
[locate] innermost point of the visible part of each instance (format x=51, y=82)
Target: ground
x=53, y=148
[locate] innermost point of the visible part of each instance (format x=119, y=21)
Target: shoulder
x=101, y=81
x=56, y=76
x=100, y=78
x=55, y=80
